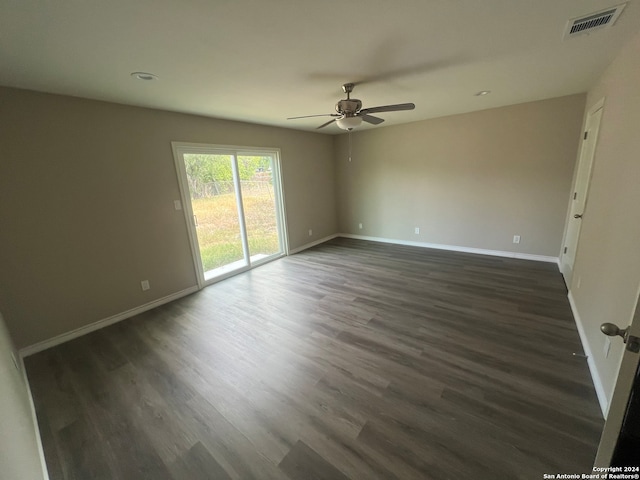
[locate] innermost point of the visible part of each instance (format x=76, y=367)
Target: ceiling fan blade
x=321, y=115
x=371, y=119
x=388, y=108
x=328, y=123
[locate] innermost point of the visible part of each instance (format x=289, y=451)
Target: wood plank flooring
x=350, y=360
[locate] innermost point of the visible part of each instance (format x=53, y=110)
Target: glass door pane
x=216, y=214
x=260, y=205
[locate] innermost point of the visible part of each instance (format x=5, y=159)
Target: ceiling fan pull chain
x=349, y=145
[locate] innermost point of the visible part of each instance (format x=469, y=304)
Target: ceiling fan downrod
x=348, y=88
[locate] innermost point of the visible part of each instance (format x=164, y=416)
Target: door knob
x=612, y=330
x=577, y=215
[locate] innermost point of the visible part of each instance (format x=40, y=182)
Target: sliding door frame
x=179, y=149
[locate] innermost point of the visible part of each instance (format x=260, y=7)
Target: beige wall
x=607, y=265
x=86, y=210
x=472, y=180
x=19, y=450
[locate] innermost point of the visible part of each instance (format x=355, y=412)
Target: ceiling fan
x=351, y=114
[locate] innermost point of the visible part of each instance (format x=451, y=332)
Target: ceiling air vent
x=592, y=22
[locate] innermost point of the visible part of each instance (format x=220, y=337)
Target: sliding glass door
x=260, y=205
x=233, y=204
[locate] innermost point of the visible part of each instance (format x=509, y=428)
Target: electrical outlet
x=145, y=285
x=360, y=226
x=310, y=232
x=417, y=230
x=516, y=239
x=607, y=347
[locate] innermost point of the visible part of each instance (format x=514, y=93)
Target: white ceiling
x=264, y=60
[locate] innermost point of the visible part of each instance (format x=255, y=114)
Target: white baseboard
x=105, y=322
x=597, y=383
x=313, y=244
x=65, y=337
x=34, y=419
x=454, y=248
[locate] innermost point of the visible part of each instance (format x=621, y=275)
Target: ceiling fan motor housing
x=348, y=107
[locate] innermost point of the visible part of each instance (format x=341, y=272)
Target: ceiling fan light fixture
x=349, y=123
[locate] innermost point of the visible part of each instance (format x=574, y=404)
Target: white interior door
x=581, y=190
x=620, y=398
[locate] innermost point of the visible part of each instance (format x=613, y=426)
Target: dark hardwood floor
x=351, y=360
